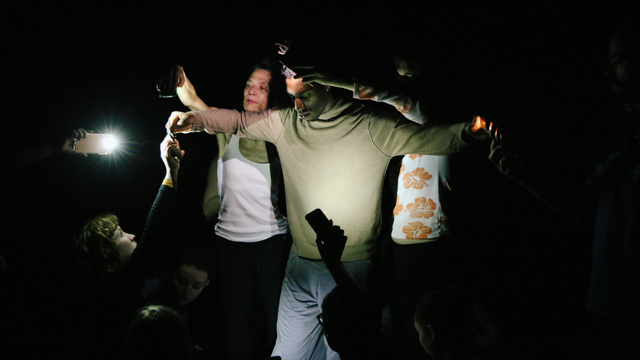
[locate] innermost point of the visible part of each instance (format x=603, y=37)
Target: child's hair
x=95, y=246
x=157, y=332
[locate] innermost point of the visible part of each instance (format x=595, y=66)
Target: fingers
x=282, y=48
x=174, y=121
x=170, y=150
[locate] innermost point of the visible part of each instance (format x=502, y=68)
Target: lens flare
x=110, y=142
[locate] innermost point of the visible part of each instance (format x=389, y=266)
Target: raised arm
x=331, y=242
x=171, y=162
x=396, y=94
x=187, y=92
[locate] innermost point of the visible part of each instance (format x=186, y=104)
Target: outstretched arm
x=573, y=201
x=257, y=125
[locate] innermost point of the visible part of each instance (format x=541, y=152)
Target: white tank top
x=248, y=197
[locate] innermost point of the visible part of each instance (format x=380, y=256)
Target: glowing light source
x=110, y=142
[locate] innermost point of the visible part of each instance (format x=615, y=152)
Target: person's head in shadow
x=443, y=323
x=102, y=245
x=351, y=322
x=157, y=332
x=623, y=72
x=190, y=276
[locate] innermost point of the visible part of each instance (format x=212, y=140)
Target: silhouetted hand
x=69, y=143
x=331, y=245
x=508, y=161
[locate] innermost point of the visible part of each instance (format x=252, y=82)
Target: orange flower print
x=366, y=92
x=404, y=105
x=414, y=156
x=421, y=208
x=401, y=170
x=398, y=208
x=416, y=230
x=416, y=179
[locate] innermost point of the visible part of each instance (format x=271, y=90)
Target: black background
x=536, y=69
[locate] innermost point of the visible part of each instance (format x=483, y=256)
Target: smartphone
x=101, y=144
x=175, y=152
x=318, y=221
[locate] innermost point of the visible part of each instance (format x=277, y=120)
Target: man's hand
x=508, y=161
x=331, y=245
x=481, y=129
x=179, y=122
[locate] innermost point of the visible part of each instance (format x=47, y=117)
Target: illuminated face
x=623, y=73
x=310, y=101
x=188, y=283
x=124, y=241
x=256, y=91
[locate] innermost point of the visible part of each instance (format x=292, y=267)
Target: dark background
x=538, y=70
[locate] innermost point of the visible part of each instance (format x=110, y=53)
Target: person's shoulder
x=286, y=112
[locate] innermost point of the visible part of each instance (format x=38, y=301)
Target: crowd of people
x=337, y=226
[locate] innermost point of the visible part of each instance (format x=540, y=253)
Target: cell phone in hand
x=101, y=144
x=318, y=221
x=174, y=151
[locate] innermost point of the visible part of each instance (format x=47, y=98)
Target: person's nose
x=132, y=237
x=252, y=90
x=299, y=104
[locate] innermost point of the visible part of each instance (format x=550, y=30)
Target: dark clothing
x=419, y=269
x=250, y=279
x=115, y=298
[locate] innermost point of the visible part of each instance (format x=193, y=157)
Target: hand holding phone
x=330, y=238
x=101, y=144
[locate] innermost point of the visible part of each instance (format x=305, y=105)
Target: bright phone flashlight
x=110, y=142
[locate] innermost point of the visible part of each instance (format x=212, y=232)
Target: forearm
x=396, y=95
x=189, y=98
x=171, y=177
x=571, y=200
x=340, y=274
x=259, y=125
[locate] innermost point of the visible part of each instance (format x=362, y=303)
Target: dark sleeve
x=155, y=245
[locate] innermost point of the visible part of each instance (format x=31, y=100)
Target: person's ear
x=207, y=283
x=432, y=332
